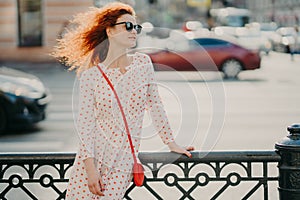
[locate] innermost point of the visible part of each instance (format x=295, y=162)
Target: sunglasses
x=129, y=26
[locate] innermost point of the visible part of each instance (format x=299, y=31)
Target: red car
x=210, y=54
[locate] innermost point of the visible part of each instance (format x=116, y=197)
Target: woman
x=103, y=164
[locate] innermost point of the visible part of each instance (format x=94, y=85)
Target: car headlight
x=20, y=90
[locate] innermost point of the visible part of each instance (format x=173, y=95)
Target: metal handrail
x=154, y=162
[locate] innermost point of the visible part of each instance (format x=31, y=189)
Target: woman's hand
x=178, y=149
x=95, y=183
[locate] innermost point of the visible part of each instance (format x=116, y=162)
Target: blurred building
x=172, y=13
x=283, y=12
x=29, y=28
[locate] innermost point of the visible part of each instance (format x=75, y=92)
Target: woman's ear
x=109, y=31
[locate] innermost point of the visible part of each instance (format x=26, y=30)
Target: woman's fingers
x=190, y=148
x=95, y=189
x=187, y=153
x=178, y=149
x=96, y=186
x=99, y=190
x=101, y=185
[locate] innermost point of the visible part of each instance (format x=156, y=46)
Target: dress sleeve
x=156, y=108
x=86, y=121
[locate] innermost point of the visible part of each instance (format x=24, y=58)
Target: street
x=233, y=119
x=256, y=109
x=250, y=113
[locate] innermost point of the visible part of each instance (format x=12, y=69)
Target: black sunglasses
x=129, y=26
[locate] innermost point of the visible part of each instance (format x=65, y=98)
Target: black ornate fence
x=208, y=175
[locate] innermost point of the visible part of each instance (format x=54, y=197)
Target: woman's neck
x=116, y=57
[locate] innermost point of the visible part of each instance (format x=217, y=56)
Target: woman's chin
x=132, y=45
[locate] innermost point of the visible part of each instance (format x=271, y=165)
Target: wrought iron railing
x=208, y=175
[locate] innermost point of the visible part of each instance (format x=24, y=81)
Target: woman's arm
x=86, y=127
x=86, y=120
x=159, y=116
x=156, y=109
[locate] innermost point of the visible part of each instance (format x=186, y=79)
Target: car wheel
x=231, y=68
x=3, y=120
x=280, y=48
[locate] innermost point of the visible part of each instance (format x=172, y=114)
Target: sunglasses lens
x=130, y=27
x=138, y=28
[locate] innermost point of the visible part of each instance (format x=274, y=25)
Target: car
x=206, y=54
x=285, y=39
x=268, y=30
x=249, y=36
x=253, y=38
x=23, y=99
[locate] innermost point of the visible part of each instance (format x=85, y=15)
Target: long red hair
x=85, y=42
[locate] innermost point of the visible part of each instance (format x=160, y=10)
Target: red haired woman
x=102, y=37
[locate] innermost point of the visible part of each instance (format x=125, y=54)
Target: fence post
x=289, y=165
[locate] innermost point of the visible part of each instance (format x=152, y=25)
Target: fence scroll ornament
x=45, y=176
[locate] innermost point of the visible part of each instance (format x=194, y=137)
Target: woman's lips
x=132, y=38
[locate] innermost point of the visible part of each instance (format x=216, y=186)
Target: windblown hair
x=85, y=42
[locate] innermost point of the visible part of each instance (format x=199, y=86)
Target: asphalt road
x=250, y=113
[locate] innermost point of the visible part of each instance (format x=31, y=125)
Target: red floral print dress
x=101, y=129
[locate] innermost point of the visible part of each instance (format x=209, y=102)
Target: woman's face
x=120, y=36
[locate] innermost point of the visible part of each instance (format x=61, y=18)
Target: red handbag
x=138, y=174
x=138, y=169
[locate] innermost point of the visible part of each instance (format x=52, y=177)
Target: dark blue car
x=23, y=99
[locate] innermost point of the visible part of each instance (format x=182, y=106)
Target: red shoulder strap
x=122, y=112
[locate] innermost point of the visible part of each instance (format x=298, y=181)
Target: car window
x=210, y=42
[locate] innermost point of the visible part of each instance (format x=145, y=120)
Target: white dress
x=101, y=129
